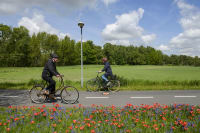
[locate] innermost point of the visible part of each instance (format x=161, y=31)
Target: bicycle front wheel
x=69, y=95
x=36, y=94
x=114, y=86
x=92, y=85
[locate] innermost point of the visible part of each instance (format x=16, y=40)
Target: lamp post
x=1, y=34
x=81, y=24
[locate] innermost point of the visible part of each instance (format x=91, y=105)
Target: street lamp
x=1, y=34
x=81, y=24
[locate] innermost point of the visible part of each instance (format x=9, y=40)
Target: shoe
x=57, y=95
x=46, y=92
x=109, y=83
x=49, y=100
x=52, y=96
x=106, y=93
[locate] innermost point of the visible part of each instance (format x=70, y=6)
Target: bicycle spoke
x=114, y=86
x=92, y=85
x=69, y=95
x=37, y=95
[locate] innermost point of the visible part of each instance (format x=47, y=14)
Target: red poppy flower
x=7, y=129
x=70, y=127
x=92, y=131
x=74, y=121
x=82, y=127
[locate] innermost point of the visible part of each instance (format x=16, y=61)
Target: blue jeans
x=104, y=78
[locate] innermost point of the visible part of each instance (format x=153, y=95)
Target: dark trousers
x=108, y=75
x=52, y=84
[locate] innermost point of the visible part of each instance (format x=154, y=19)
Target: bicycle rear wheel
x=36, y=94
x=114, y=86
x=69, y=95
x=92, y=85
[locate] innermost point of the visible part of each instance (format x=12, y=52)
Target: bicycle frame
x=61, y=81
x=100, y=80
x=97, y=77
x=61, y=85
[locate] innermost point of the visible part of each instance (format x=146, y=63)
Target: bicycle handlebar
x=61, y=80
x=61, y=75
x=98, y=73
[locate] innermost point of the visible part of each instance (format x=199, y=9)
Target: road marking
x=9, y=96
x=96, y=97
x=141, y=97
x=184, y=96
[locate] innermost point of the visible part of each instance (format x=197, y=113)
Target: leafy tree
x=108, y=50
x=67, y=52
x=17, y=48
x=4, y=44
x=35, y=53
x=174, y=60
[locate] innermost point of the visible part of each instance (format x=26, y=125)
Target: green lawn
x=152, y=73
x=133, y=73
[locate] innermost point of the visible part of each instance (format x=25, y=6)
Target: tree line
x=19, y=49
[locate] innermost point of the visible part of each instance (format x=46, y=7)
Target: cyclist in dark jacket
x=107, y=69
x=48, y=72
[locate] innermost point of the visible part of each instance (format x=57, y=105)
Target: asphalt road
x=192, y=97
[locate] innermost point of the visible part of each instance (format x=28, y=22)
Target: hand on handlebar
x=99, y=71
x=58, y=76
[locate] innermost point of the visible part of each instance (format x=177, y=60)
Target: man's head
x=104, y=59
x=54, y=57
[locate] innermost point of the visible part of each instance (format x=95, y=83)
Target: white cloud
x=163, y=47
x=62, y=35
x=119, y=42
x=107, y=2
x=7, y=8
x=148, y=38
x=187, y=42
x=13, y=6
x=38, y=24
x=127, y=27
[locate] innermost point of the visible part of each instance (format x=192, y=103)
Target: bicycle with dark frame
x=68, y=94
x=98, y=84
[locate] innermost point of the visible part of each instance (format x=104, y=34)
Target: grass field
x=175, y=77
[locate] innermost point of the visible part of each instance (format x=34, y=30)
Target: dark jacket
x=107, y=68
x=50, y=69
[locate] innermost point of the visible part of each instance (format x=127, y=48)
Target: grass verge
x=126, y=84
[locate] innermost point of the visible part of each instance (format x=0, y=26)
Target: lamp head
x=81, y=24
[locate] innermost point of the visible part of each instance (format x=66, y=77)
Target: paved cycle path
x=21, y=97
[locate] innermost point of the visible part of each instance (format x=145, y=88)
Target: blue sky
x=173, y=26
